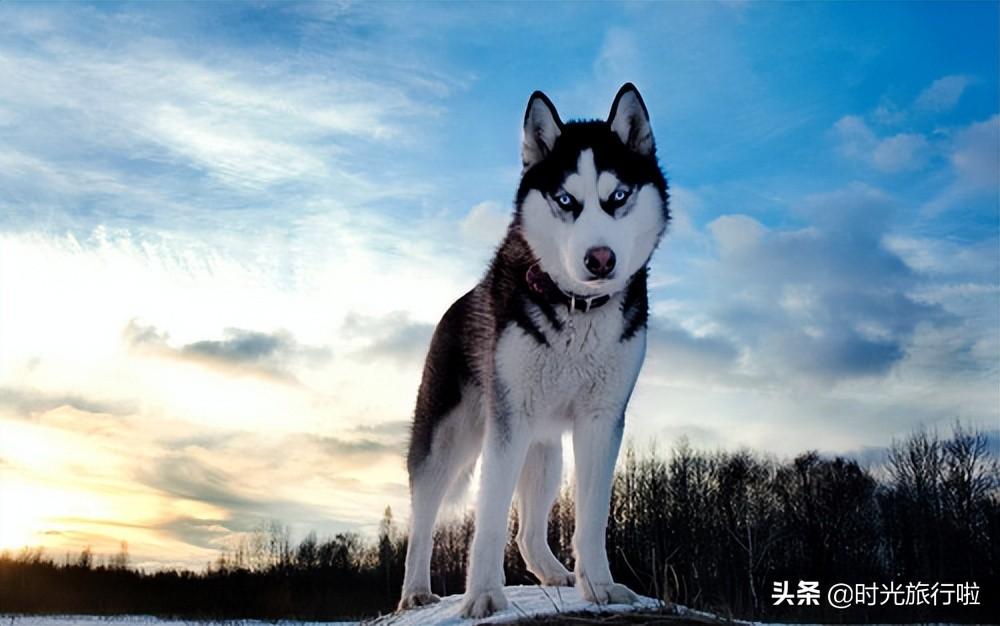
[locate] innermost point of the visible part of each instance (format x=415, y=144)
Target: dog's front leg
x=596, y=440
x=504, y=449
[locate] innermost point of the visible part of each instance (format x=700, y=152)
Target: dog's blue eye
x=616, y=200
x=564, y=200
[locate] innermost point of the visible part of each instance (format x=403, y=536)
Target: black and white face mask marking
x=594, y=231
x=592, y=199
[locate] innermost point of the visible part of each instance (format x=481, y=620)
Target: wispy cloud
x=394, y=336
x=255, y=352
x=900, y=152
x=197, y=490
x=679, y=355
x=142, y=127
x=486, y=223
x=943, y=93
x=25, y=402
x=974, y=155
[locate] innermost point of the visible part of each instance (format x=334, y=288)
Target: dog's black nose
x=600, y=261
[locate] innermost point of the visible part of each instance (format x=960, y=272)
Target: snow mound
x=525, y=602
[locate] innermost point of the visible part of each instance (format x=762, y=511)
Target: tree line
x=262, y=576
x=710, y=530
x=716, y=531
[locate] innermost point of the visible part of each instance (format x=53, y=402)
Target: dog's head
x=592, y=203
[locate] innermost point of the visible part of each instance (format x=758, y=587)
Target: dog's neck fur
x=542, y=284
x=510, y=292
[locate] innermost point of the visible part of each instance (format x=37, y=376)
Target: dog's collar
x=542, y=284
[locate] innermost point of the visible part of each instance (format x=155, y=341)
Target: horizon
x=228, y=232
x=253, y=544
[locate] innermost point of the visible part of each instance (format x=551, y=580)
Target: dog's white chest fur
x=581, y=371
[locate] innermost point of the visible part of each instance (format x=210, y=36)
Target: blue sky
x=226, y=232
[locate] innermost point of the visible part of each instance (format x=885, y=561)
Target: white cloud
x=943, y=94
x=976, y=154
x=973, y=151
x=887, y=113
x=946, y=258
x=618, y=57
x=68, y=353
x=905, y=151
x=785, y=331
x=195, y=287
x=684, y=203
x=736, y=234
x=900, y=152
x=393, y=337
x=486, y=223
x=825, y=303
x=234, y=154
x=109, y=114
x=856, y=139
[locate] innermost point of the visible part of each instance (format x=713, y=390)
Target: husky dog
x=551, y=340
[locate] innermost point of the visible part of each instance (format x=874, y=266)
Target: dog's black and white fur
x=551, y=340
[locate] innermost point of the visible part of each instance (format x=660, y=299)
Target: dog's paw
x=483, y=603
x=417, y=598
x=556, y=578
x=607, y=593
x=548, y=570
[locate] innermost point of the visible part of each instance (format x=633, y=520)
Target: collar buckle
x=542, y=284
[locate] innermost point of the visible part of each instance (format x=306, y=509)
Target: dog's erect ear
x=629, y=119
x=542, y=127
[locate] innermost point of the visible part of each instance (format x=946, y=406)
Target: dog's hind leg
x=456, y=445
x=427, y=489
x=536, y=491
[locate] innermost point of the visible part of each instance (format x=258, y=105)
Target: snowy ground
x=525, y=602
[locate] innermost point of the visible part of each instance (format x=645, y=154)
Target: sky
x=227, y=232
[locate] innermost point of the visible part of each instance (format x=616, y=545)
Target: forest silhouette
x=709, y=530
